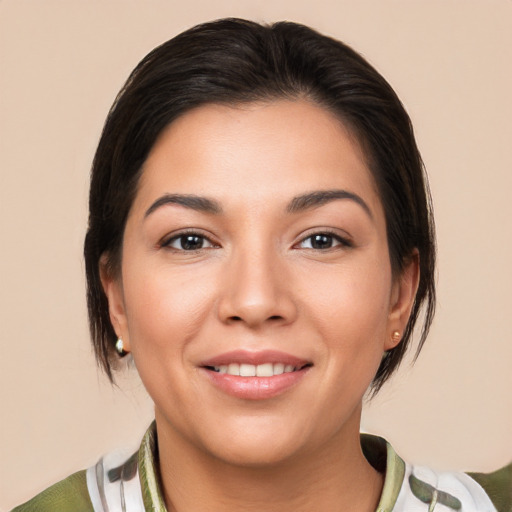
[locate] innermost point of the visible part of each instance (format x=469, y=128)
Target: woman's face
x=257, y=244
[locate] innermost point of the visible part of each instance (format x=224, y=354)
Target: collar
x=149, y=473
x=379, y=453
x=132, y=484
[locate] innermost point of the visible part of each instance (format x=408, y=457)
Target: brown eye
x=188, y=242
x=322, y=241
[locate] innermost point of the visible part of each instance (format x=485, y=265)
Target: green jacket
x=131, y=484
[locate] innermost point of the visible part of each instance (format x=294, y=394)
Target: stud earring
x=120, y=347
x=396, y=336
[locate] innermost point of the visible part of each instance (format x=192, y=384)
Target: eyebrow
x=198, y=203
x=318, y=198
x=297, y=204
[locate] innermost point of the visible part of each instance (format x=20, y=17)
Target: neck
x=335, y=478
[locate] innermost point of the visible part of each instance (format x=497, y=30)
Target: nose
x=256, y=291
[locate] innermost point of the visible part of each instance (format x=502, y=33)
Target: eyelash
x=342, y=241
x=183, y=234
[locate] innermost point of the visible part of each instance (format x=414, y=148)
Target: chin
x=258, y=441
x=256, y=453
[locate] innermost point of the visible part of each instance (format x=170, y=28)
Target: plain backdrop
x=61, y=65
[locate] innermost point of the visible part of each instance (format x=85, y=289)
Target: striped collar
x=378, y=452
x=130, y=484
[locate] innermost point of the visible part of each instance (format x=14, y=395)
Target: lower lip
x=256, y=388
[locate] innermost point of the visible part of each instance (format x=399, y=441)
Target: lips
x=255, y=375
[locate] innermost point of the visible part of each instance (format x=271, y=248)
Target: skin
x=259, y=283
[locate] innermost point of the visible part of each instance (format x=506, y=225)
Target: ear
x=402, y=299
x=113, y=288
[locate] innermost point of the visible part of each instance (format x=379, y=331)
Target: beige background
x=61, y=64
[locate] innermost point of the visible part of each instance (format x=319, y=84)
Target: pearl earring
x=396, y=336
x=120, y=347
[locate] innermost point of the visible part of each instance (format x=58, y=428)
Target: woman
x=261, y=242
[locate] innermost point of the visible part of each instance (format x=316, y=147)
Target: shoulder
x=479, y=492
x=120, y=480
x=68, y=495
x=498, y=486
x=411, y=488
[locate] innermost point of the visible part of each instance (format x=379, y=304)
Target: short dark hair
x=233, y=61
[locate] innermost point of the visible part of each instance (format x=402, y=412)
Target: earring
x=396, y=336
x=120, y=347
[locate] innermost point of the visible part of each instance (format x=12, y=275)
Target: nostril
x=235, y=318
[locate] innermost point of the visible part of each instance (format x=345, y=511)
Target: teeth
x=265, y=370
x=278, y=368
x=251, y=370
x=247, y=370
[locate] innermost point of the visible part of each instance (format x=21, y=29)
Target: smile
x=255, y=375
x=251, y=370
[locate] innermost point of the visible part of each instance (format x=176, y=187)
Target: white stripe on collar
x=111, y=487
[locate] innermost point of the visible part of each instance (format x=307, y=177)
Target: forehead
x=253, y=153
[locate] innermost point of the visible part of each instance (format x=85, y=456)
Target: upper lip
x=255, y=358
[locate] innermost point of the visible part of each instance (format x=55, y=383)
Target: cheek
x=165, y=313
x=359, y=298
x=165, y=308
x=350, y=312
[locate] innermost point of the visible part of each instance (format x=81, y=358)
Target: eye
x=188, y=242
x=323, y=241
